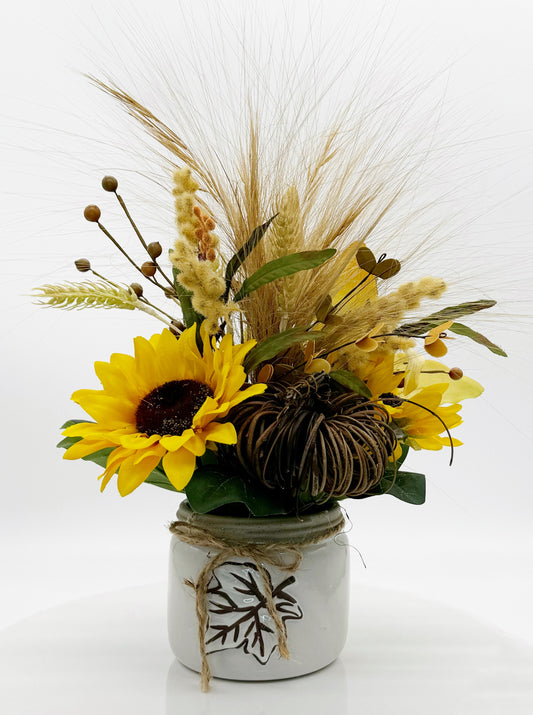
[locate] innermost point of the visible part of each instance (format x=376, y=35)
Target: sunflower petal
x=210, y=410
x=256, y=389
x=85, y=447
x=179, y=358
x=179, y=467
x=174, y=442
x=132, y=473
x=105, y=408
x=127, y=366
x=115, y=382
x=229, y=387
x=114, y=461
x=95, y=432
x=138, y=441
x=190, y=364
x=155, y=451
x=223, y=432
x=80, y=429
x=145, y=363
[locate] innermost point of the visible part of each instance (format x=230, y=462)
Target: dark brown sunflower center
x=170, y=408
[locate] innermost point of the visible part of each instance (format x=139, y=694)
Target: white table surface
x=109, y=654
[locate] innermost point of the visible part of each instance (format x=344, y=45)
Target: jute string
x=274, y=554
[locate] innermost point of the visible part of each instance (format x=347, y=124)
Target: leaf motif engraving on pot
x=238, y=615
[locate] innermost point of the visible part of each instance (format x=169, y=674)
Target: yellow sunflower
x=430, y=386
x=163, y=403
x=423, y=429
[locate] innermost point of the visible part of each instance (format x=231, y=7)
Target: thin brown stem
x=140, y=237
x=106, y=280
x=117, y=244
x=151, y=279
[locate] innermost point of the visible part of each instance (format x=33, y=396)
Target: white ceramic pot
x=240, y=635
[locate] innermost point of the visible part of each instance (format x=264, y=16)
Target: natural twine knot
x=274, y=554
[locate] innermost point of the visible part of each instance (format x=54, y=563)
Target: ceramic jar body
x=241, y=637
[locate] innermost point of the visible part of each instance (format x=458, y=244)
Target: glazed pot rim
x=272, y=529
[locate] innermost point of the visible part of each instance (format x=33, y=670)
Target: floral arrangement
x=295, y=366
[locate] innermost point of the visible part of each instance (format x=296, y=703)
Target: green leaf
x=69, y=423
x=351, y=381
x=211, y=488
x=244, y=251
x=277, y=343
x=461, y=329
x=190, y=316
x=208, y=457
x=282, y=267
x=409, y=487
x=451, y=313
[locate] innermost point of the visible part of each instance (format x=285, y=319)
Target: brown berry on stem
x=455, y=373
x=137, y=289
x=154, y=249
x=148, y=269
x=169, y=292
x=83, y=265
x=92, y=213
x=109, y=183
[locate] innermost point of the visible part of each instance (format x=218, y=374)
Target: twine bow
x=271, y=553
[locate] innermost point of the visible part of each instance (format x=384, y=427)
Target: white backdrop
x=471, y=544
